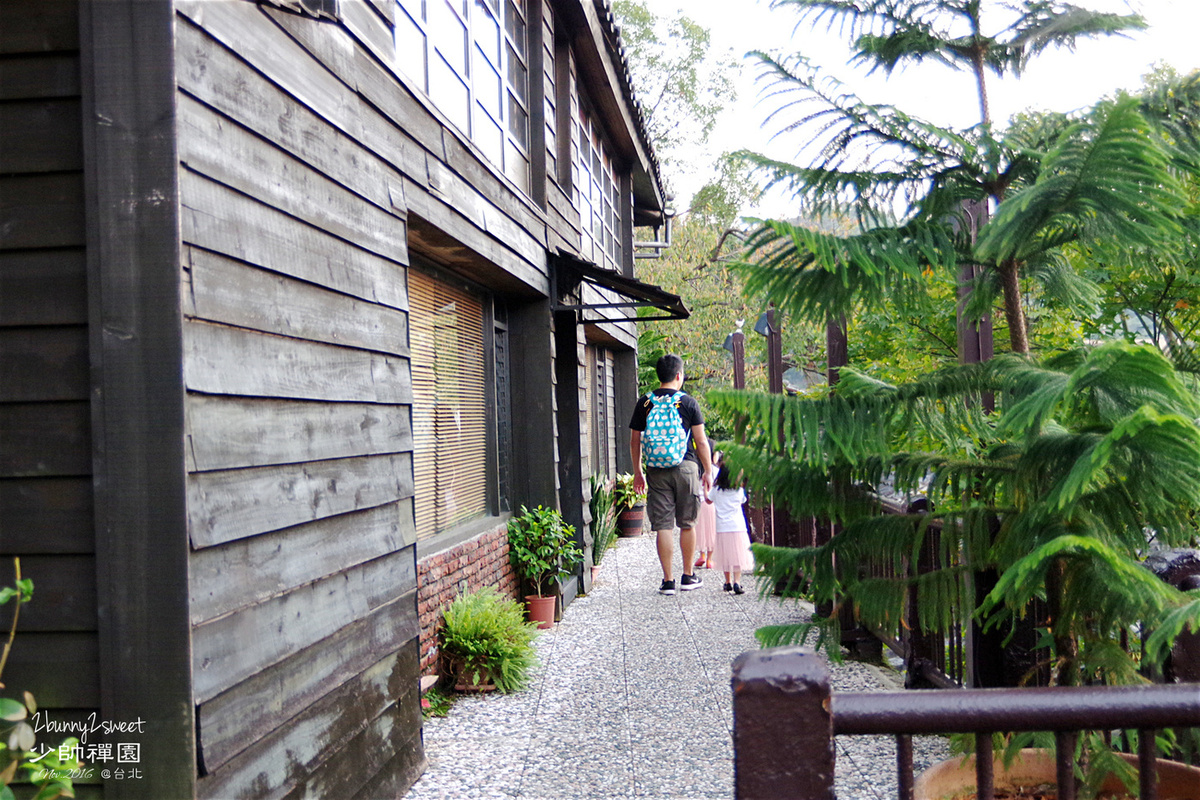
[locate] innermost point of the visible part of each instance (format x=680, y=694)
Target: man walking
x=667, y=429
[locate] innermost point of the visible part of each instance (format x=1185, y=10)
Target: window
x=595, y=193
x=471, y=58
x=601, y=411
x=450, y=404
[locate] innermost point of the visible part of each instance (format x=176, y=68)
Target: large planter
x=467, y=679
x=956, y=778
x=630, y=521
x=540, y=610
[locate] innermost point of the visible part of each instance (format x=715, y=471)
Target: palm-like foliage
x=894, y=33
x=1093, y=458
x=1102, y=175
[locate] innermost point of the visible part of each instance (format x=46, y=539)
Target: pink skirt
x=732, y=552
x=706, y=528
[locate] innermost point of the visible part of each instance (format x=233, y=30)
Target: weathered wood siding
x=297, y=156
x=45, y=432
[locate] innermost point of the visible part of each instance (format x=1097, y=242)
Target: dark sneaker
x=668, y=587
x=737, y=589
x=689, y=582
x=727, y=587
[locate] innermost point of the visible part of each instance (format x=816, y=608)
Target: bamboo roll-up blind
x=449, y=404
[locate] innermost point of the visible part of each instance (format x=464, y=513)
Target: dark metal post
x=782, y=726
x=739, y=359
x=836, y=348
x=904, y=766
x=984, y=777
x=1064, y=755
x=1147, y=765
x=774, y=353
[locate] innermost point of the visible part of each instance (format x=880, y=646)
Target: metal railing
x=782, y=697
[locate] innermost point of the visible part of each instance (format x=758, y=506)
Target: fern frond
x=1106, y=177
x=1168, y=628
x=813, y=274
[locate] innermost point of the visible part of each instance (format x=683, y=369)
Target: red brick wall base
x=477, y=562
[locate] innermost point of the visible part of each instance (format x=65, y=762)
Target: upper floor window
x=595, y=192
x=471, y=58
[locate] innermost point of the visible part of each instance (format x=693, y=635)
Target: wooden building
x=298, y=299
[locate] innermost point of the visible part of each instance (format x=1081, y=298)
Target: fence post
x=782, y=728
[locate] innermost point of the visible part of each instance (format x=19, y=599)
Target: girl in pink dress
x=732, y=553
x=706, y=525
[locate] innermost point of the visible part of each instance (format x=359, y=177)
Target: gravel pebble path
x=631, y=698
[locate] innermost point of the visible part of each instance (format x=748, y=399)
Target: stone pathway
x=631, y=698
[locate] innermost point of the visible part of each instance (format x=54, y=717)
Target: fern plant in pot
x=542, y=548
x=486, y=642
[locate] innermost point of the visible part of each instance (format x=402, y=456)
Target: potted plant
x=1034, y=767
x=604, y=524
x=542, y=548
x=486, y=642
x=629, y=505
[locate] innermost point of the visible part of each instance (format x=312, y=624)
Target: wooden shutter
x=449, y=404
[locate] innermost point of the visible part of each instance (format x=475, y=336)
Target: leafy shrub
x=541, y=546
x=604, y=523
x=624, y=497
x=486, y=636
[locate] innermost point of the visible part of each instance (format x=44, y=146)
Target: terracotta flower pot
x=955, y=778
x=630, y=521
x=540, y=610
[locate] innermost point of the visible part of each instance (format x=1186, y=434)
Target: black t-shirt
x=689, y=413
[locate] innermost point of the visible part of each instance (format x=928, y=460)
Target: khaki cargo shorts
x=673, y=496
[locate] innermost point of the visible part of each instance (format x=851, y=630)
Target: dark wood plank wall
x=45, y=447
x=302, y=157
x=299, y=443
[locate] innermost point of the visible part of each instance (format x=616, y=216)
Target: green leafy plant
x=487, y=640
x=1092, y=458
x=436, y=703
x=541, y=546
x=604, y=523
x=50, y=772
x=624, y=497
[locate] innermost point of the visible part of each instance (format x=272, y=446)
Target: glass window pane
x=488, y=91
x=449, y=34
x=518, y=123
x=518, y=77
x=514, y=23
x=414, y=8
x=410, y=49
x=488, y=136
x=486, y=30
x=449, y=93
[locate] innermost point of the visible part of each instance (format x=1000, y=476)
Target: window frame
x=497, y=462
x=506, y=24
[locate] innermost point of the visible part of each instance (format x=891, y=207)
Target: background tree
x=682, y=84
x=904, y=180
x=1091, y=455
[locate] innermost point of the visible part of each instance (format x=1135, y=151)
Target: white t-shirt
x=728, y=505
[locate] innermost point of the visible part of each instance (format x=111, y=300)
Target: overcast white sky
x=1059, y=81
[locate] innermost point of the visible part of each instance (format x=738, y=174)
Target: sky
x=1058, y=80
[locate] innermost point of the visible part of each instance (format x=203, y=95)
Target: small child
x=732, y=553
x=706, y=525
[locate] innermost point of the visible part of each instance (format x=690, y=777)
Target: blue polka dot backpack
x=664, y=442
